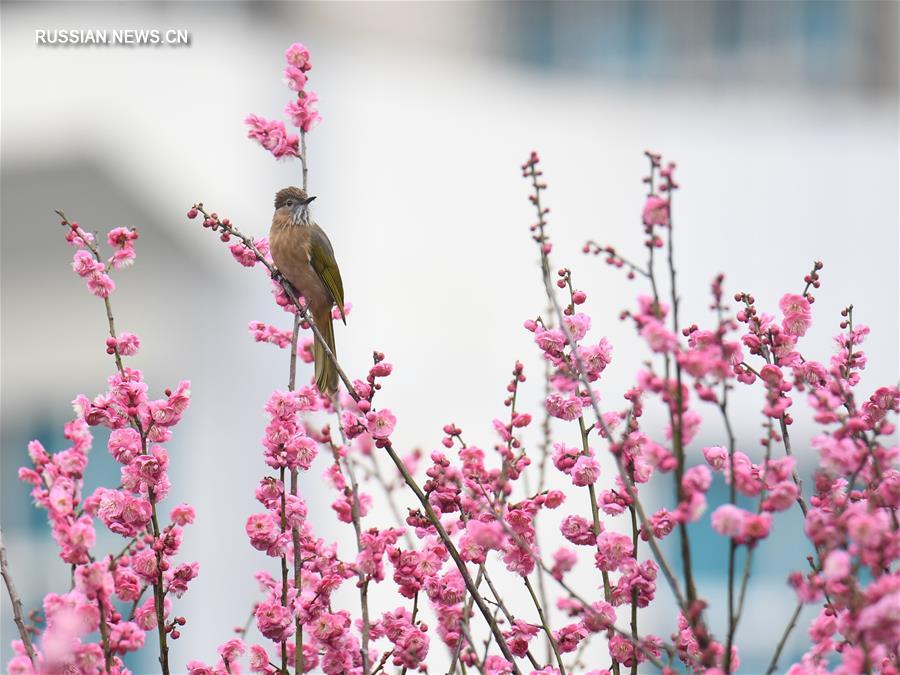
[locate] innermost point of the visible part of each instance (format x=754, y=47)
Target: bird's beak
x=309, y=200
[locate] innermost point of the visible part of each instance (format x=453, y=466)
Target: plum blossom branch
x=530, y=169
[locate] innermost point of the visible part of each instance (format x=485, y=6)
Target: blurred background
x=782, y=116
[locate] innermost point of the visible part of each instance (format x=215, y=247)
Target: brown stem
x=634, y=593
x=363, y=581
x=732, y=497
x=298, y=583
x=464, y=619
x=284, y=570
x=773, y=664
x=677, y=427
x=415, y=612
x=295, y=532
x=509, y=617
x=104, y=634
x=303, y=157
x=243, y=631
x=16, y=603
x=595, y=528
x=159, y=594
x=357, y=528
x=540, y=611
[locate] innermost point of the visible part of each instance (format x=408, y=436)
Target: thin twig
x=580, y=371
x=773, y=664
x=295, y=532
x=159, y=592
x=16, y=603
x=549, y=633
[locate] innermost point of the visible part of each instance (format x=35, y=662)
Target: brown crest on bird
x=303, y=254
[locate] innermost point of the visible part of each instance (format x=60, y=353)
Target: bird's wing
x=321, y=257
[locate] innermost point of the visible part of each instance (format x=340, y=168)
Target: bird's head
x=292, y=204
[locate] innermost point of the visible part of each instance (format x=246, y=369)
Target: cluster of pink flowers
x=137, y=424
x=483, y=514
x=302, y=111
x=88, y=264
x=272, y=134
x=479, y=519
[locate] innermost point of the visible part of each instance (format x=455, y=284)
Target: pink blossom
x=696, y=479
x=600, y=616
x=656, y=211
x=717, y=457
x=781, y=496
x=612, y=550
x=144, y=563
x=95, y=580
x=595, y=358
x=124, y=444
x=272, y=136
x=274, y=621
x=294, y=78
x=297, y=55
x=381, y=424
x=756, y=527
x=182, y=575
x=563, y=561
x=126, y=636
x=497, y=665
x=231, y=650
x=302, y=111
x=552, y=341
x=183, y=514
x=127, y=344
x=122, y=513
x=122, y=258
x=259, y=659
x=245, y=255
x=85, y=265
x=564, y=408
x=554, y=499
x=837, y=566
x=578, y=325
x=120, y=237
x=658, y=337
x=127, y=584
x=263, y=530
x=585, y=471
x=568, y=638
x=101, y=284
x=265, y=333
x=728, y=520
x=661, y=523
x=518, y=637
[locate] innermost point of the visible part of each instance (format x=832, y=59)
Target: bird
x=304, y=256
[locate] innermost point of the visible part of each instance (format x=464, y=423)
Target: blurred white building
x=783, y=118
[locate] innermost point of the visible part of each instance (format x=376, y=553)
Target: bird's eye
x=290, y=202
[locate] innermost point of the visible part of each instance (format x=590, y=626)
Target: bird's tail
x=326, y=373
